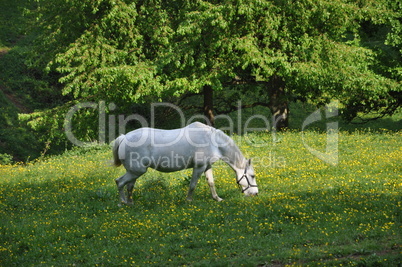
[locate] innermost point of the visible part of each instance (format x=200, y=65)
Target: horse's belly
x=170, y=163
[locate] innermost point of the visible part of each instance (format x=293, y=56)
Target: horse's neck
x=237, y=161
x=232, y=154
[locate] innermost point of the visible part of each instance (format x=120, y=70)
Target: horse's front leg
x=211, y=183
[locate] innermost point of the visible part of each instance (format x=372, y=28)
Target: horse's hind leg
x=129, y=180
x=193, y=183
x=130, y=187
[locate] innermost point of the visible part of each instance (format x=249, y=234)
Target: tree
x=311, y=50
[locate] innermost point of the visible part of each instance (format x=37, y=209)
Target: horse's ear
x=249, y=162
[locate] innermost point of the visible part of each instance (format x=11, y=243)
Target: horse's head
x=247, y=181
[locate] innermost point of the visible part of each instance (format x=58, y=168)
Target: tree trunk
x=209, y=105
x=278, y=103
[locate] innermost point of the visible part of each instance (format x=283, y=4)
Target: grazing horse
x=196, y=146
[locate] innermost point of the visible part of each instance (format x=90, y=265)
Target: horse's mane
x=229, y=149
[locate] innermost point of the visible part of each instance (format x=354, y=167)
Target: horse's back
x=192, y=134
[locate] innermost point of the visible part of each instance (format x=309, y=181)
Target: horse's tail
x=116, y=145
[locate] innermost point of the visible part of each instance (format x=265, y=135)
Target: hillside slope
x=16, y=141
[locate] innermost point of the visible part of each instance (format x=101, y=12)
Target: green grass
x=63, y=211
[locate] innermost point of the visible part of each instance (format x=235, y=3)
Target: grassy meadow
x=63, y=210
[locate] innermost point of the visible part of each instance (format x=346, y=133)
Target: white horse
x=196, y=146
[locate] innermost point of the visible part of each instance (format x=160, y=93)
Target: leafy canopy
x=144, y=50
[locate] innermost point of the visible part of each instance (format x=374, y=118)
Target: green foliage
x=128, y=51
x=106, y=52
x=23, y=87
x=351, y=76
x=110, y=67
x=28, y=85
x=5, y=159
x=10, y=29
x=16, y=142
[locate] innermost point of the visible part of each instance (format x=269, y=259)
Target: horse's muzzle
x=251, y=191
